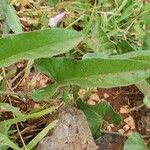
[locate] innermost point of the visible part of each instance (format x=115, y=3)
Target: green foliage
x=97, y=113
x=52, y=2
x=5, y=141
x=124, y=47
x=8, y=107
x=146, y=43
x=99, y=40
x=4, y=131
x=5, y=126
x=135, y=142
x=145, y=15
x=27, y=116
x=92, y=72
x=111, y=27
x=32, y=45
x=11, y=17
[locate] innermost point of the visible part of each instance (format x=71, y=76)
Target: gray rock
x=71, y=133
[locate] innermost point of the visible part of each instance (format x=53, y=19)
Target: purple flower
x=53, y=22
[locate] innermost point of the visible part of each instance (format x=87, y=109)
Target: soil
x=128, y=96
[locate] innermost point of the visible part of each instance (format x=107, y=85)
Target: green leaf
x=4, y=131
x=52, y=2
x=97, y=113
x=144, y=87
x=100, y=41
x=95, y=55
x=11, y=17
x=28, y=116
x=145, y=14
x=5, y=141
x=32, y=45
x=135, y=142
x=94, y=72
x=146, y=43
x=146, y=101
x=8, y=107
x=126, y=13
x=124, y=47
x=41, y=135
x=13, y=20
x=42, y=93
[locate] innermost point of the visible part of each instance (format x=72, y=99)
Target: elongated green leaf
x=13, y=20
x=135, y=142
x=97, y=113
x=8, y=107
x=28, y=116
x=4, y=131
x=126, y=13
x=41, y=135
x=146, y=43
x=44, y=43
x=135, y=55
x=4, y=141
x=11, y=17
x=96, y=72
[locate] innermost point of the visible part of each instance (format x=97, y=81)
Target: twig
x=24, y=145
x=145, y=136
x=136, y=108
x=116, y=133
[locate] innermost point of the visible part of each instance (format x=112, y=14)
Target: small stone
x=126, y=127
x=124, y=109
x=121, y=131
x=94, y=97
x=90, y=102
x=71, y=133
x=106, y=95
x=130, y=122
x=109, y=128
x=132, y=127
